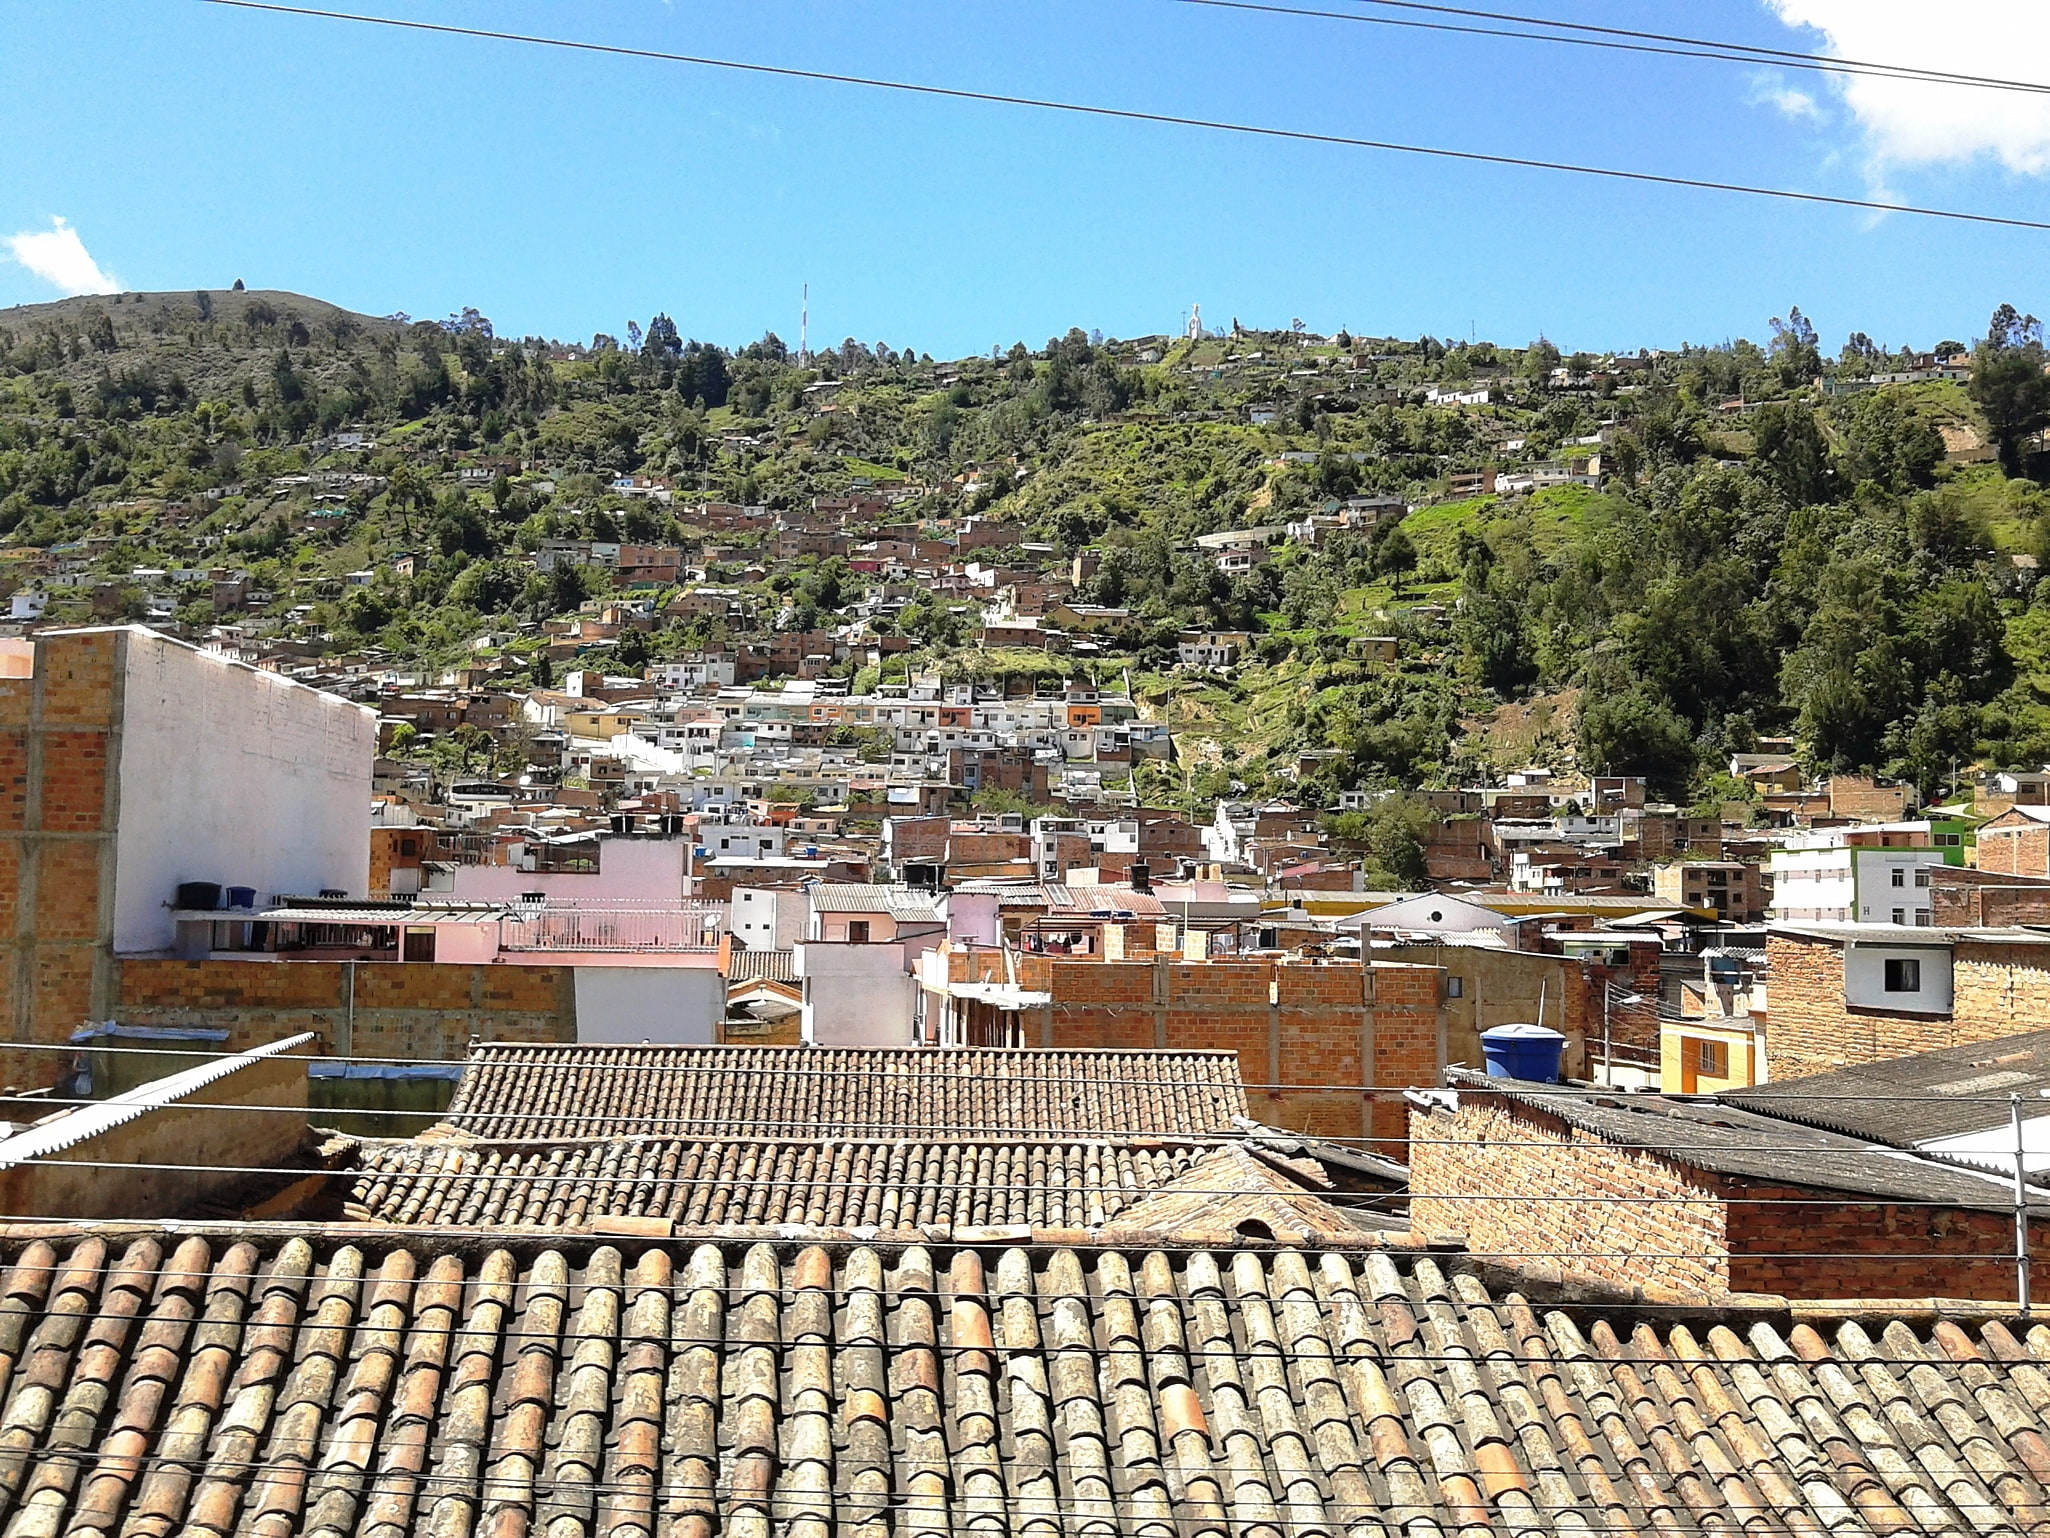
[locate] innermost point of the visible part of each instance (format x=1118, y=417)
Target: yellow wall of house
x=1679, y=1065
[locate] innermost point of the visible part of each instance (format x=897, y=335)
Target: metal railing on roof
x=679, y=927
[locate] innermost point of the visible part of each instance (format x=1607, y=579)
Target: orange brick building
x=1310, y=1035
x=369, y=1009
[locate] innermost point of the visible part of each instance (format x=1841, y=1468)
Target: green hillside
x=1851, y=566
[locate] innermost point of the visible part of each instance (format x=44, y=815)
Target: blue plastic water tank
x=1528, y=1052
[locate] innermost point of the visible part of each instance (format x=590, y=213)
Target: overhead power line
x=1676, y=48
x=1134, y=115
x=1752, y=52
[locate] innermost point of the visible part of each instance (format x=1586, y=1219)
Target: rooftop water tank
x=1529, y=1052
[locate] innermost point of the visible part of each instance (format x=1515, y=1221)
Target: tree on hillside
x=1795, y=352
x=1632, y=731
x=2009, y=385
x=1792, y=452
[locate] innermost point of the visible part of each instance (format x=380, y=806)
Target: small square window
x=1712, y=1058
x=1900, y=915
x=1903, y=975
x=1922, y=876
x=1899, y=876
x=1455, y=987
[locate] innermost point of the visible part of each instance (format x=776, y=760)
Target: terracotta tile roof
x=769, y=966
x=517, y=1091
x=834, y=1184
x=173, y=1382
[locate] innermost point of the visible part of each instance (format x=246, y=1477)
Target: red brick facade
x=2015, y=844
x=1961, y=897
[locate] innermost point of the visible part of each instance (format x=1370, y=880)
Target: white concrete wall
x=233, y=775
x=679, y=1005
x=1865, y=978
x=855, y=995
x=1813, y=884
x=769, y=918
x=1879, y=898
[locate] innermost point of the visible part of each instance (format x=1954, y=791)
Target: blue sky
x=562, y=194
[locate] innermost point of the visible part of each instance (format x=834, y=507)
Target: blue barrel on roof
x=1529, y=1052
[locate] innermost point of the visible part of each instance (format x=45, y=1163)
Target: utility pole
x=804, y=326
x=2021, y=1207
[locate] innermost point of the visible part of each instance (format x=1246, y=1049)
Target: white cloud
x=1912, y=123
x=60, y=259
x=1769, y=91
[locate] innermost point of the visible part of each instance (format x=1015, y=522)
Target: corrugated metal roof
x=1104, y=900
x=1723, y=1138
x=900, y=903
x=1910, y=1100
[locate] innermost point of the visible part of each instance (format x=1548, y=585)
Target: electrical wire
x=1128, y=114
x=1733, y=53
x=1782, y=54
x=650, y=1127
x=915, y=1070
x=1064, y=1193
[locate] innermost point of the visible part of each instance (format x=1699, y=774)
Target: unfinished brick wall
x=1997, y=990
x=58, y=736
x=1519, y=1185
x=1857, y=795
x=406, y=1010
x=1811, y=1029
x=1504, y=987
x=1961, y=897
x=1506, y=1179
x=1303, y=1025
x=2021, y=851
